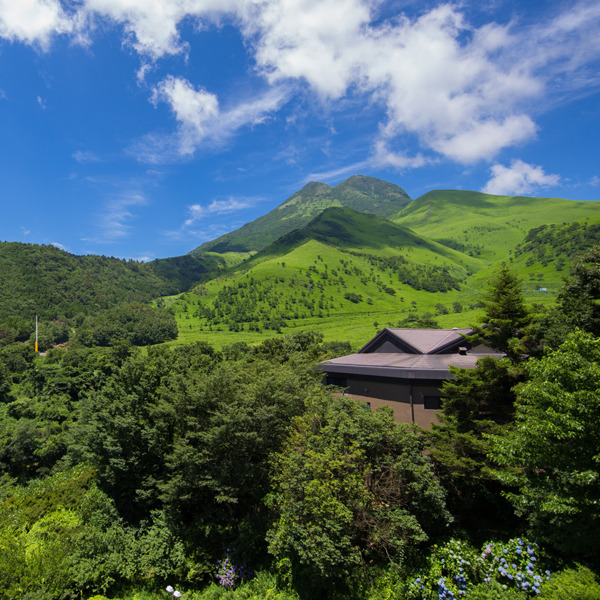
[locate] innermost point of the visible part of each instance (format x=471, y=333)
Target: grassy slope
x=484, y=231
x=324, y=262
x=490, y=227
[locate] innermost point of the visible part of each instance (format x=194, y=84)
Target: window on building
x=432, y=402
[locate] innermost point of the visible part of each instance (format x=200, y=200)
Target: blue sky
x=142, y=128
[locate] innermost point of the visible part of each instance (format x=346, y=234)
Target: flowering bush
x=456, y=566
x=452, y=567
x=229, y=574
x=513, y=564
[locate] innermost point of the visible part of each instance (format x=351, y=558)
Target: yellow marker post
x=36, y=334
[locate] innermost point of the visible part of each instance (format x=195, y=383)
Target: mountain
x=321, y=261
x=346, y=228
x=364, y=194
x=345, y=272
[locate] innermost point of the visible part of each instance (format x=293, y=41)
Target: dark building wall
x=382, y=391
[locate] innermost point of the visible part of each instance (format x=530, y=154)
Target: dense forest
x=97, y=296
x=235, y=473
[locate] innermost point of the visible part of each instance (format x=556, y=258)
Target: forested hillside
x=63, y=289
x=235, y=473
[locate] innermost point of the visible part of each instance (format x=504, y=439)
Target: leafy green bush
x=578, y=583
x=494, y=591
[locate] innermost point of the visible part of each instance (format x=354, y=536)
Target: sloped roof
x=425, y=358
x=400, y=365
x=421, y=341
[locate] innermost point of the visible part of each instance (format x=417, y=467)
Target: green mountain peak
x=359, y=192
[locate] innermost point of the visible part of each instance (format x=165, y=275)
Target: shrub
x=578, y=583
x=456, y=570
x=494, y=591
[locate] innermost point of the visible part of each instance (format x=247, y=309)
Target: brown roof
x=400, y=365
x=423, y=360
x=422, y=341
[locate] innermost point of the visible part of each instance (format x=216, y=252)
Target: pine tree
x=506, y=315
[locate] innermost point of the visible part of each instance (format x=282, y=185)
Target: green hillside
x=487, y=226
x=58, y=286
x=182, y=272
x=341, y=274
x=365, y=194
x=346, y=271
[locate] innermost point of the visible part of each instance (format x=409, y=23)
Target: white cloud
x=464, y=92
x=194, y=110
x=383, y=156
x=33, y=21
x=519, y=178
x=595, y=181
x=151, y=25
x=59, y=246
x=217, y=207
x=201, y=121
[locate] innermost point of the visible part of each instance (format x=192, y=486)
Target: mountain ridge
x=359, y=192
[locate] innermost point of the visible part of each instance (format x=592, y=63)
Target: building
x=405, y=369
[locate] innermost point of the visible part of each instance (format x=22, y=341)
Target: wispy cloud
x=59, y=246
x=202, y=122
x=519, y=178
x=85, y=156
x=205, y=214
x=335, y=174
x=225, y=206
x=115, y=222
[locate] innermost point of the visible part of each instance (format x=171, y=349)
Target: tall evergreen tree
x=506, y=315
x=479, y=402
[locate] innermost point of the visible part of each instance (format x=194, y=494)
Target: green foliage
x=140, y=324
x=495, y=591
x=547, y=242
x=351, y=486
x=353, y=297
x=578, y=301
x=54, y=284
x=38, y=526
x=505, y=313
x=414, y=321
x=263, y=586
x=476, y=403
x=551, y=455
x=576, y=583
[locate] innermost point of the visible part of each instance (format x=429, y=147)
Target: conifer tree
x=506, y=315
